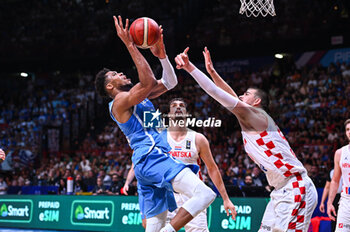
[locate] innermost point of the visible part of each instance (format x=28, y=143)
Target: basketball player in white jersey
x=295, y=197
x=190, y=147
x=341, y=170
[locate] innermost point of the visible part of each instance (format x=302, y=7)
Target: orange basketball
x=145, y=32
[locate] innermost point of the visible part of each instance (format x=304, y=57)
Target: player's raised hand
x=2, y=155
x=158, y=49
x=183, y=62
x=230, y=209
x=331, y=212
x=123, y=32
x=207, y=59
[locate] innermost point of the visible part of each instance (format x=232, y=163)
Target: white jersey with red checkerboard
x=270, y=150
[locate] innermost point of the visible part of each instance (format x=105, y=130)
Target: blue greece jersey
x=154, y=166
x=141, y=140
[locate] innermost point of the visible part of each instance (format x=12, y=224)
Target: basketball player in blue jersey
x=157, y=173
x=190, y=147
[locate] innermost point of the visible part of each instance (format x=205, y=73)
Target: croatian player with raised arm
x=341, y=170
x=157, y=173
x=295, y=197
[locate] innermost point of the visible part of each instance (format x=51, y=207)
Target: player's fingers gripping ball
x=145, y=32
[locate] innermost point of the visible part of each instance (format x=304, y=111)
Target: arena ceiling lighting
x=279, y=56
x=23, y=74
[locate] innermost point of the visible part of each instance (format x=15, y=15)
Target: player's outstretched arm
x=324, y=196
x=214, y=75
x=249, y=117
x=227, y=100
x=214, y=173
x=129, y=178
x=169, y=79
x=334, y=186
x=147, y=80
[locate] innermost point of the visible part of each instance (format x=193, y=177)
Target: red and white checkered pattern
x=271, y=152
x=279, y=163
x=297, y=222
x=286, y=168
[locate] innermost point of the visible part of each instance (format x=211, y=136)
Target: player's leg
x=200, y=197
x=268, y=220
x=294, y=204
x=198, y=223
x=343, y=216
x=155, y=223
x=311, y=202
x=179, y=202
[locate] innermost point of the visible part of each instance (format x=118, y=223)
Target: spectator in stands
x=85, y=164
x=318, y=180
x=248, y=181
x=259, y=178
x=90, y=179
x=3, y=186
x=117, y=184
x=107, y=180
x=99, y=189
x=79, y=185
x=62, y=188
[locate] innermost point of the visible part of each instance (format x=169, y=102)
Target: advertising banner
x=112, y=213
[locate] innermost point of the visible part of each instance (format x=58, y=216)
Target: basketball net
x=257, y=7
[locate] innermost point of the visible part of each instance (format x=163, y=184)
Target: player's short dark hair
x=177, y=99
x=263, y=96
x=347, y=122
x=100, y=82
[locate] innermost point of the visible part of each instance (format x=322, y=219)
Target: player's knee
x=210, y=195
x=155, y=223
x=206, y=194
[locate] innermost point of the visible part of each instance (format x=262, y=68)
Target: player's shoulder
x=120, y=99
x=338, y=152
x=199, y=137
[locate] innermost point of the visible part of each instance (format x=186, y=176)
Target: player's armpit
x=250, y=118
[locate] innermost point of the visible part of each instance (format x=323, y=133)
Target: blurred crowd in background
x=53, y=131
